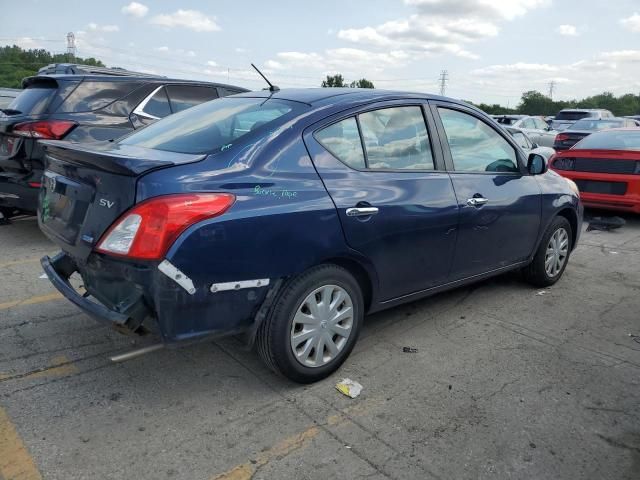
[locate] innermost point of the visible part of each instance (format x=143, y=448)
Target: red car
x=606, y=168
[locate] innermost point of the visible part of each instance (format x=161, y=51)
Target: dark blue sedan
x=287, y=216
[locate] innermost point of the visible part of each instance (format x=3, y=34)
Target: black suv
x=85, y=106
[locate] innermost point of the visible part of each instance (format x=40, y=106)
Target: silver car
x=528, y=145
x=536, y=128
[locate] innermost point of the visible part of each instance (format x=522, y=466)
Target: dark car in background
x=585, y=127
x=7, y=95
x=606, y=168
x=568, y=116
x=286, y=216
x=82, y=107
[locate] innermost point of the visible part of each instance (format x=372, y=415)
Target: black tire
x=535, y=273
x=273, y=340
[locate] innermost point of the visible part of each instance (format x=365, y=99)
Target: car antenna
x=272, y=88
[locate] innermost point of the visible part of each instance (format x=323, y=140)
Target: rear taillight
x=46, y=129
x=564, y=163
x=150, y=228
x=561, y=137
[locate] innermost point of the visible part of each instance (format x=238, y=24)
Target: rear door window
x=187, y=96
x=91, y=95
x=475, y=146
x=396, y=138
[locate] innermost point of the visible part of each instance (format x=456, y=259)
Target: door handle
x=477, y=201
x=361, y=211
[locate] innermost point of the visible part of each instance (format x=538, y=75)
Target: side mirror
x=537, y=164
x=534, y=145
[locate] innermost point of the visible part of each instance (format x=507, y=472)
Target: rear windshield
x=596, y=124
x=207, y=127
x=617, y=140
x=33, y=100
x=572, y=115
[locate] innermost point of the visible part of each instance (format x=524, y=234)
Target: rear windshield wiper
x=10, y=111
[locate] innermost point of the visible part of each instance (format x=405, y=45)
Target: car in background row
x=287, y=215
x=7, y=95
x=82, y=108
x=536, y=128
x=606, y=168
x=528, y=145
x=585, y=127
x=568, y=116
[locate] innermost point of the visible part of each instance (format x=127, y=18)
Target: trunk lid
x=87, y=187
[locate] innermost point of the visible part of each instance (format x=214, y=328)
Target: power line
x=444, y=77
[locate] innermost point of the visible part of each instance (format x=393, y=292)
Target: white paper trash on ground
x=349, y=387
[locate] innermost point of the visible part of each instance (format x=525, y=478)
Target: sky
x=492, y=50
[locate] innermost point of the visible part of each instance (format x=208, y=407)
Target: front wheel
x=313, y=325
x=552, y=256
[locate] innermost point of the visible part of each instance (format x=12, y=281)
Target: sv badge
x=106, y=203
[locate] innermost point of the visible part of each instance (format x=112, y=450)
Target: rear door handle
x=477, y=201
x=361, y=211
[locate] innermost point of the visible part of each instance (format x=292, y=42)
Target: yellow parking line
x=30, y=301
x=281, y=449
x=60, y=366
x=15, y=461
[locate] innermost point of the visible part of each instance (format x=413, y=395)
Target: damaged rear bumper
x=134, y=297
x=128, y=317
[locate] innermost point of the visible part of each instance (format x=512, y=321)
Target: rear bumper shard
x=60, y=268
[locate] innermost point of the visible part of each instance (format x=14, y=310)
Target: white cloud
x=191, y=19
x=163, y=49
x=632, y=23
x=441, y=26
x=135, y=9
x=241, y=50
x=506, y=9
x=624, y=56
x=212, y=63
x=175, y=51
x=103, y=28
x=567, y=30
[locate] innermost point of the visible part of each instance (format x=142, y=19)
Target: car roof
x=584, y=110
x=128, y=78
x=314, y=96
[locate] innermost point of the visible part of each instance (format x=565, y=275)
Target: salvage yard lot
x=507, y=382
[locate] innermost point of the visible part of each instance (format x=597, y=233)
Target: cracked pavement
x=505, y=383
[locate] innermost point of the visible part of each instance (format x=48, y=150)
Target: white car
x=536, y=128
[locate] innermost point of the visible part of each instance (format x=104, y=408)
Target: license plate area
x=64, y=205
x=596, y=186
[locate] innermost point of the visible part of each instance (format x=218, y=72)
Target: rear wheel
x=552, y=256
x=6, y=213
x=313, y=325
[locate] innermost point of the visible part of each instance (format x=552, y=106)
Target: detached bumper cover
x=59, y=269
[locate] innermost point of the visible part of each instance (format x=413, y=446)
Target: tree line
x=536, y=103
x=17, y=63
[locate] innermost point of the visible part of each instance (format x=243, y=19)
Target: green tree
x=334, y=81
x=362, y=83
x=16, y=63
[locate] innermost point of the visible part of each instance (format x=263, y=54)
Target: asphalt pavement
x=506, y=381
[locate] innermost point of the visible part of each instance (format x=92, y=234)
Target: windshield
x=215, y=124
x=612, y=140
x=506, y=120
x=596, y=124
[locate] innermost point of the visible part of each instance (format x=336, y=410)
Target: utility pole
x=552, y=85
x=444, y=77
x=71, y=46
